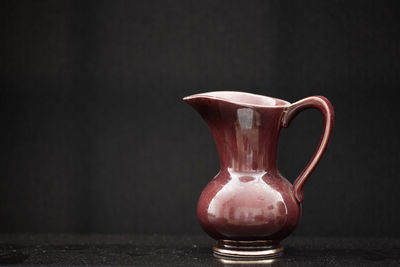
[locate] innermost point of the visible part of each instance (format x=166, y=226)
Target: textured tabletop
x=161, y=250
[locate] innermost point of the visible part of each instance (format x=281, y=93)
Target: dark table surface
x=162, y=250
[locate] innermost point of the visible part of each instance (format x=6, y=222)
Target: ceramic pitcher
x=249, y=207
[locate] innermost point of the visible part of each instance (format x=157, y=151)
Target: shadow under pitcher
x=249, y=207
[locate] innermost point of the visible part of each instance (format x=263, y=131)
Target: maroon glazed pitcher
x=249, y=207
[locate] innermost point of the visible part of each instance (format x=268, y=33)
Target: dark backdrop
x=94, y=135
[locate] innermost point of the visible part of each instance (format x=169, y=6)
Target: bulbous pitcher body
x=249, y=207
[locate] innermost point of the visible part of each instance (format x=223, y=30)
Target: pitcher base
x=259, y=249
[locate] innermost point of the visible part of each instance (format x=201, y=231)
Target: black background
x=95, y=138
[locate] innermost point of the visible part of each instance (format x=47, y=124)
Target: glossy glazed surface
x=249, y=199
x=248, y=206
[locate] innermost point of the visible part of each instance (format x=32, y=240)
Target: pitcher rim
x=211, y=95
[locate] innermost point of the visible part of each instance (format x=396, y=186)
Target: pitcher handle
x=322, y=104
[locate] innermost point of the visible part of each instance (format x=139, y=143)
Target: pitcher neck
x=245, y=128
x=247, y=150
